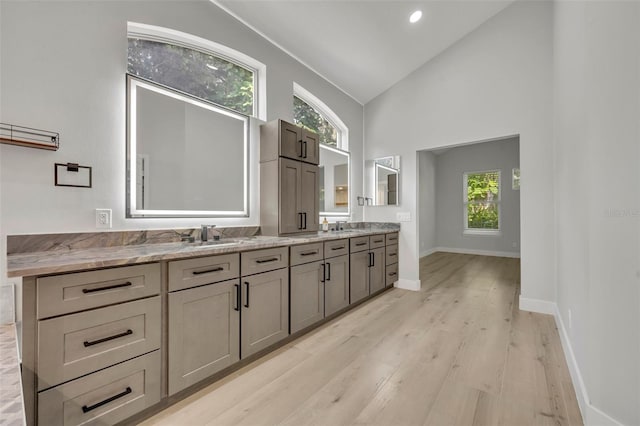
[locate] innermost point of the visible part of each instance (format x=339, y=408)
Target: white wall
x=500, y=155
x=495, y=82
x=63, y=69
x=597, y=153
x=427, y=202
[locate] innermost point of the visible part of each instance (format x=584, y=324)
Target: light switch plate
x=403, y=216
x=103, y=218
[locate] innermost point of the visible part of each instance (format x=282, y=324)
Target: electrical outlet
x=570, y=320
x=103, y=218
x=403, y=216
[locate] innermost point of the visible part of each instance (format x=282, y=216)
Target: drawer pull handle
x=109, y=287
x=361, y=244
x=86, y=409
x=393, y=254
x=391, y=274
x=273, y=259
x=337, y=248
x=246, y=305
x=106, y=339
x=218, y=269
x=377, y=241
x=309, y=253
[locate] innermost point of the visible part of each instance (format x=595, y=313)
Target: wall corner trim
x=413, y=285
x=591, y=415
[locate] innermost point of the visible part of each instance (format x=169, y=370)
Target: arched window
x=335, y=160
x=197, y=67
x=311, y=112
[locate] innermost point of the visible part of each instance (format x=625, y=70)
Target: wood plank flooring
x=458, y=352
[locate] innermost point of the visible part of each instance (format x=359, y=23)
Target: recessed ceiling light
x=415, y=16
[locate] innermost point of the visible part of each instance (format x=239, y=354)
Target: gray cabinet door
x=265, y=310
x=359, y=276
x=291, y=145
x=376, y=271
x=310, y=197
x=307, y=295
x=290, y=213
x=336, y=284
x=204, y=325
x=311, y=147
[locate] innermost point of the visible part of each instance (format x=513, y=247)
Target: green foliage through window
x=196, y=73
x=483, y=196
x=304, y=115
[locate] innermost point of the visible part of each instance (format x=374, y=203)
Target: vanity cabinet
x=307, y=273
x=289, y=184
x=319, y=281
x=91, y=348
x=203, y=318
x=264, y=298
x=391, y=263
x=367, y=266
x=336, y=286
x=204, y=332
x=279, y=138
x=100, y=346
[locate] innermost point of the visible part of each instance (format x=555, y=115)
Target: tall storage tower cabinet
x=289, y=179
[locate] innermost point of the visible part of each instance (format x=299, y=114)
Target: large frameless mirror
x=185, y=157
x=386, y=174
x=334, y=181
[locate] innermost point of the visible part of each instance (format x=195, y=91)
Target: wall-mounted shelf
x=31, y=138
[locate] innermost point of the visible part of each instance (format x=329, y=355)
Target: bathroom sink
x=213, y=243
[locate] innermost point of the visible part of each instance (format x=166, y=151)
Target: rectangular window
x=482, y=202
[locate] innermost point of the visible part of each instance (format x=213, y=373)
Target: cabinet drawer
x=336, y=248
x=359, y=244
x=203, y=270
x=77, y=344
x=392, y=238
x=106, y=397
x=62, y=294
x=254, y=262
x=306, y=253
x=376, y=241
x=392, y=254
x=391, y=274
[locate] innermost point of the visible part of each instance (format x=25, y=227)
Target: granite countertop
x=51, y=262
x=11, y=402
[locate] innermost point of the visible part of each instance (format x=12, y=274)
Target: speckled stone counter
x=11, y=402
x=61, y=259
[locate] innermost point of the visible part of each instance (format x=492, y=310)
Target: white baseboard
x=478, y=252
x=591, y=415
x=405, y=284
x=539, y=306
x=428, y=252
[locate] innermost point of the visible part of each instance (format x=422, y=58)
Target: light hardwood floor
x=458, y=352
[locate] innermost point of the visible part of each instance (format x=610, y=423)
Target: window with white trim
x=482, y=202
x=335, y=159
x=197, y=67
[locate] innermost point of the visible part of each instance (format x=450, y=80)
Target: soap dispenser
x=325, y=225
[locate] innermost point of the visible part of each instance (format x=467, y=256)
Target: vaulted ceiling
x=363, y=46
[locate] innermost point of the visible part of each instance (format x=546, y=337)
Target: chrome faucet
x=338, y=225
x=204, y=232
